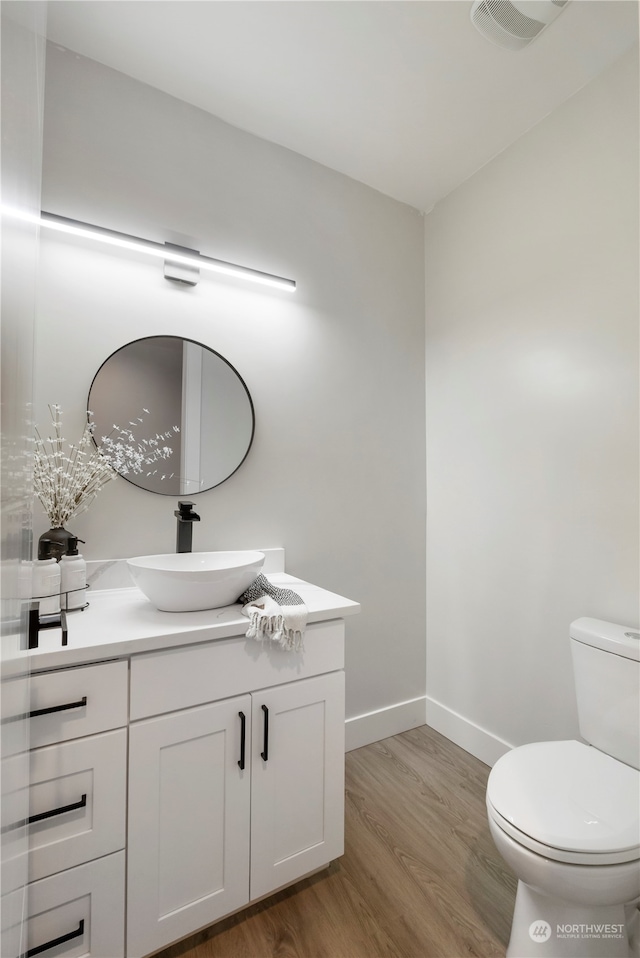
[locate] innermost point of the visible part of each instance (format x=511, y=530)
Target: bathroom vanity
x=178, y=770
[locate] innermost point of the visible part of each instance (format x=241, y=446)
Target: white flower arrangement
x=127, y=454
x=68, y=476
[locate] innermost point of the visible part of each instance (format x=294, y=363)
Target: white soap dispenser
x=46, y=580
x=73, y=577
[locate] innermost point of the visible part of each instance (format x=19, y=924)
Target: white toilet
x=565, y=816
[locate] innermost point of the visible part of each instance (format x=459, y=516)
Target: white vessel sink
x=192, y=581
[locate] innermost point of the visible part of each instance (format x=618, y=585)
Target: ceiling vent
x=514, y=24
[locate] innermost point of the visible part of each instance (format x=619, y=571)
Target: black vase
x=59, y=539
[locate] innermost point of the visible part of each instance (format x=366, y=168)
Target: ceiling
x=406, y=97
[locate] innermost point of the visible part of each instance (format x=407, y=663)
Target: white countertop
x=122, y=622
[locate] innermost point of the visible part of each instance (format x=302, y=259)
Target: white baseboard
x=373, y=726
x=471, y=737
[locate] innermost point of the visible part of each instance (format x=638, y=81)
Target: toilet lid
x=569, y=796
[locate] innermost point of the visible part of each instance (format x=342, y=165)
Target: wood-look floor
x=420, y=877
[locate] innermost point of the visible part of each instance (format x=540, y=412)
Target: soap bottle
x=73, y=577
x=46, y=580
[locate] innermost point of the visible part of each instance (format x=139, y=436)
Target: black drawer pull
x=58, y=811
x=265, y=755
x=47, y=711
x=243, y=739
x=59, y=708
x=79, y=931
x=43, y=815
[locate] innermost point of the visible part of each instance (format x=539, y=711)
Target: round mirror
x=172, y=415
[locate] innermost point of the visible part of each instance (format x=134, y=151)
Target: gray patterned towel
x=276, y=614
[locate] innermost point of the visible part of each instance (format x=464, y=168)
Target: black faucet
x=186, y=517
x=37, y=622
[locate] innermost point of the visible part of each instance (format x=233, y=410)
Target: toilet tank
x=606, y=668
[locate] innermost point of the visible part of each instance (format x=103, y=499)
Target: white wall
x=336, y=371
x=532, y=418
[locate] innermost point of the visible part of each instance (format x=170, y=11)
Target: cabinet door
x=297, y=784
x=189, y=809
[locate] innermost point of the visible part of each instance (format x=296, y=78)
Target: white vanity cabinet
x=77, y=812
x=178, y=771
x=236, y=778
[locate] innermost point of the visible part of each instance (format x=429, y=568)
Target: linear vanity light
x=172, y=254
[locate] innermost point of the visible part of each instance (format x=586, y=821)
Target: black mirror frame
x=182, y=339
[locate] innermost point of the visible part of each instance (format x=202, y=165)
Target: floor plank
x=420, y=877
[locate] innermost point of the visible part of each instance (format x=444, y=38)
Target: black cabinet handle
x=47, y=711
x=41, y=816
x=59, y=708
x=265, y=754
x=77, y=933
x=243, y=738
x=58, y=811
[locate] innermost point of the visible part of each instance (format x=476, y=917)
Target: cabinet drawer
x=75, y=702
x=77, y=801
x=193, y=675
x=79, y=912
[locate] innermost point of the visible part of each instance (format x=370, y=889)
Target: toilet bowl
x=565, y=816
